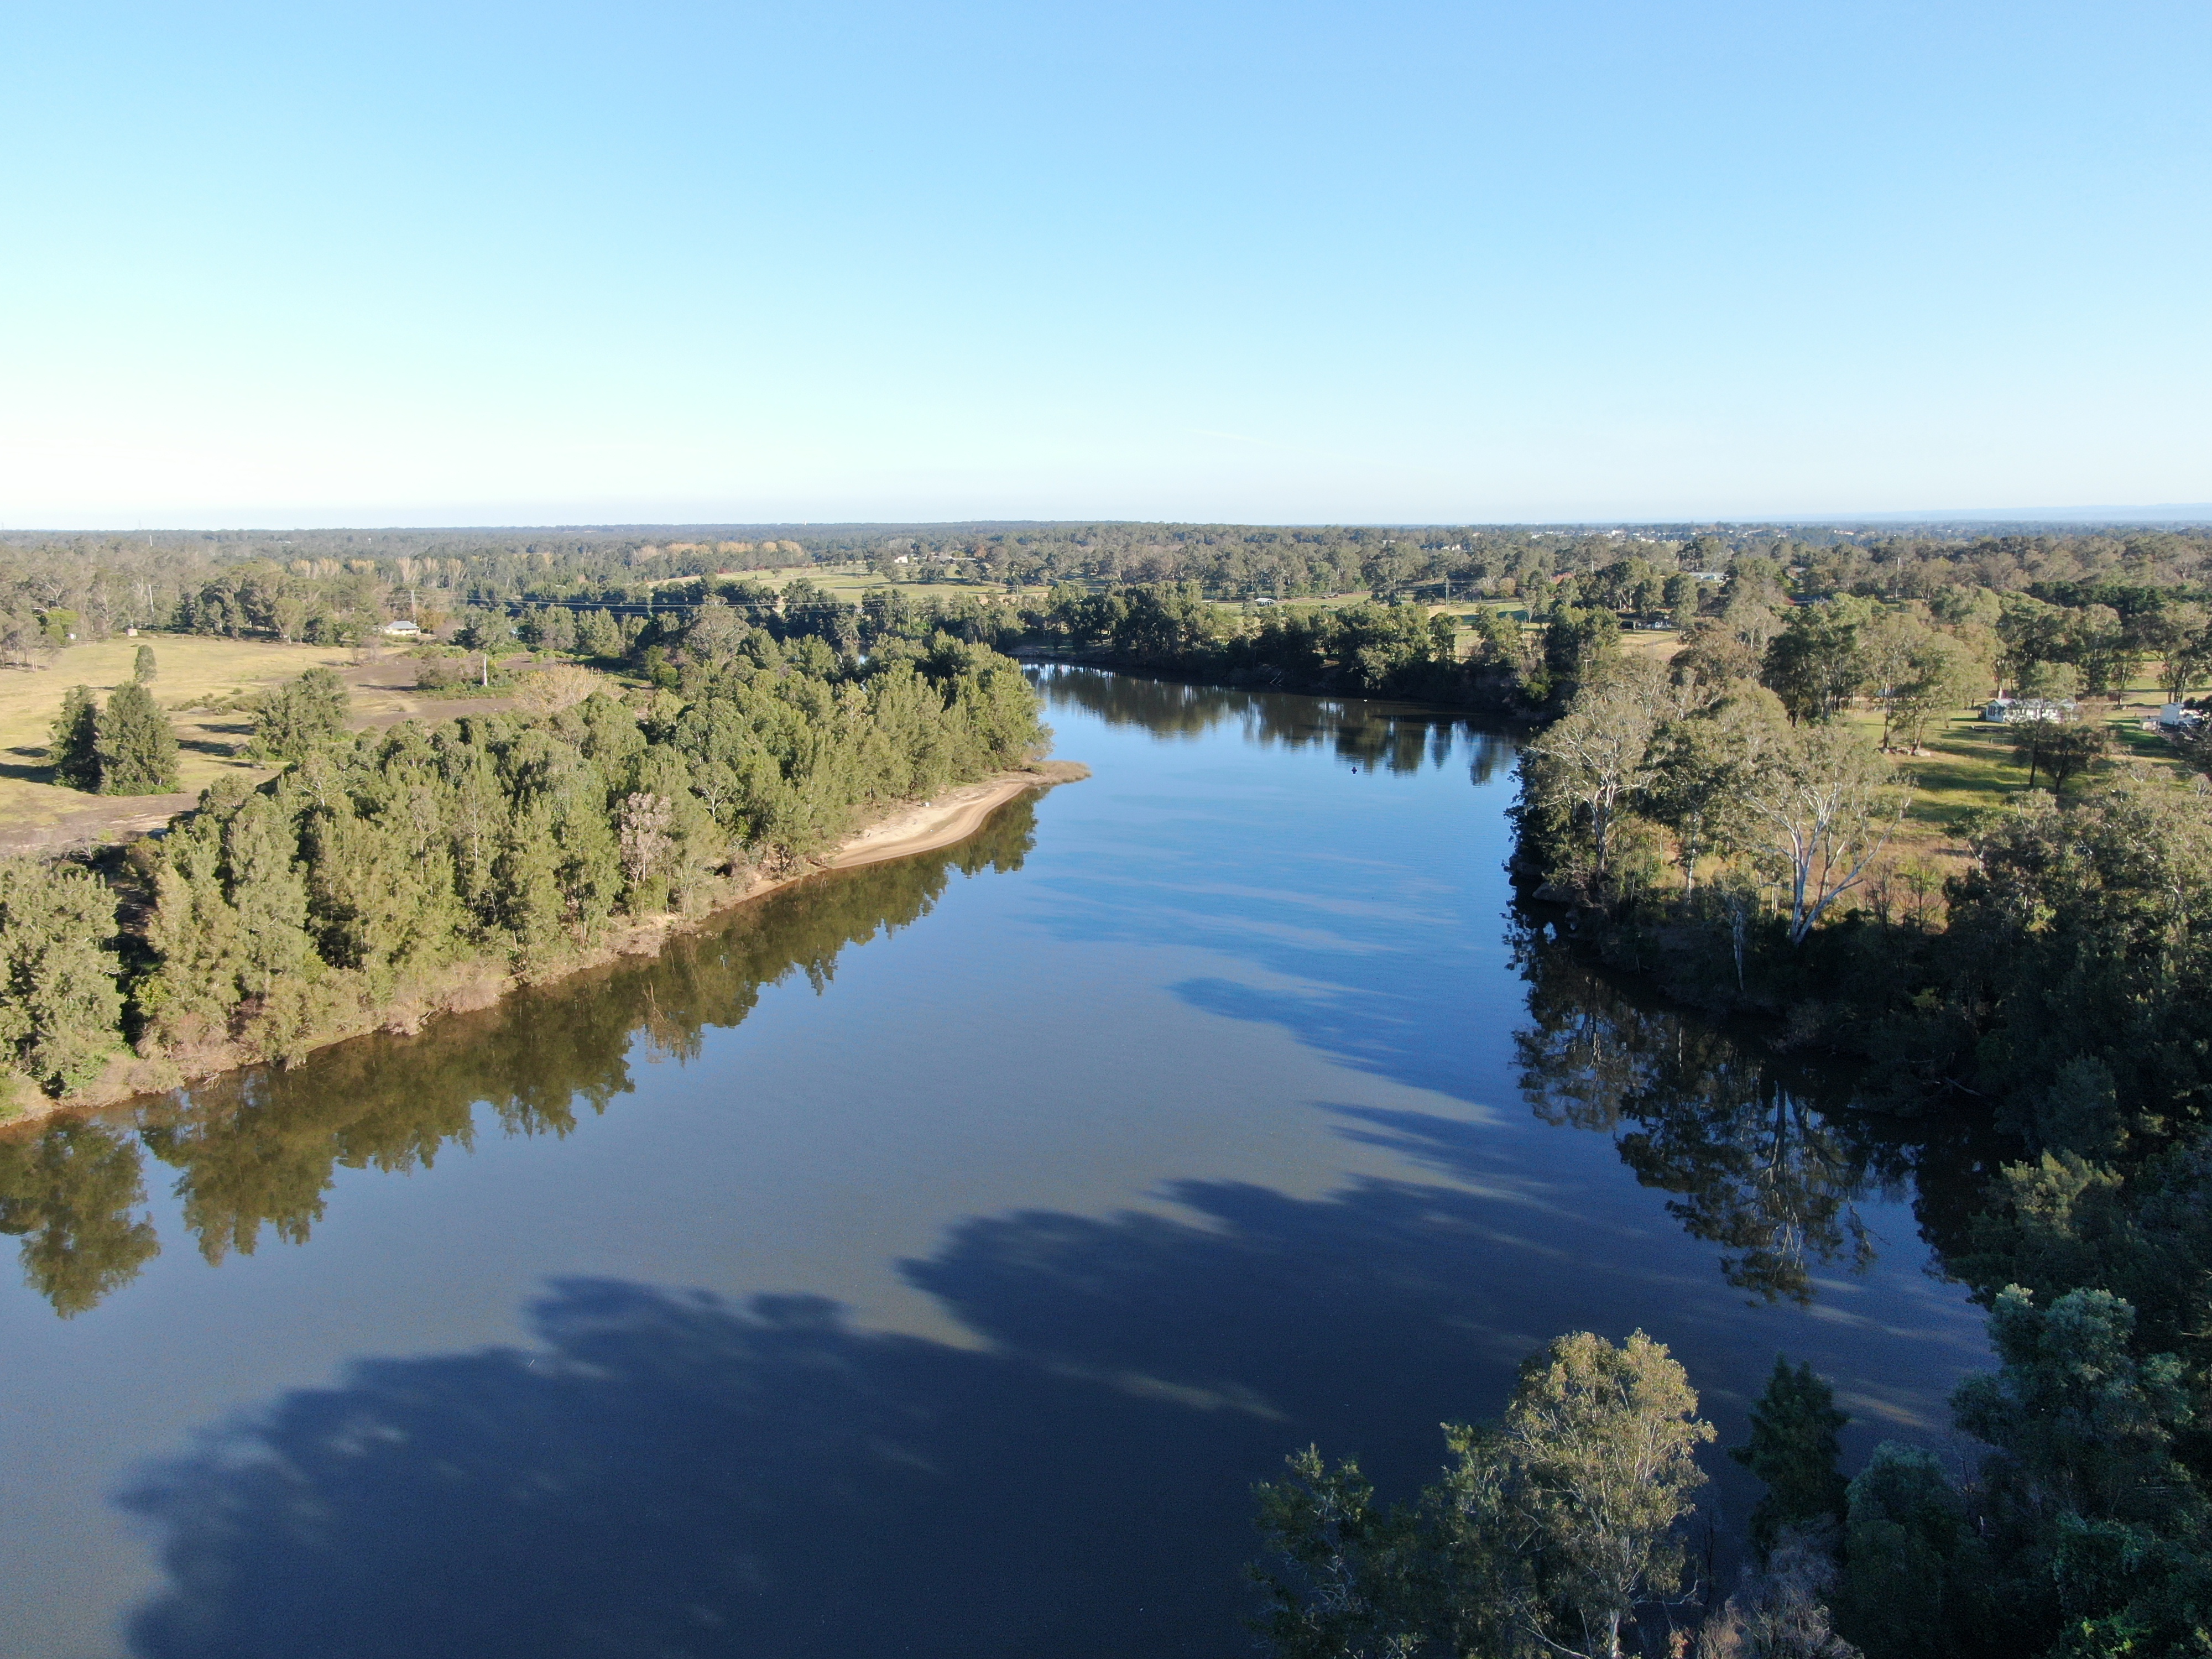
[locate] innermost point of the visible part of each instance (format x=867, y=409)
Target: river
x=926, y=1259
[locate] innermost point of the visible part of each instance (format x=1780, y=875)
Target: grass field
x=193, y=674
x=1966, y=765
x=847, y=582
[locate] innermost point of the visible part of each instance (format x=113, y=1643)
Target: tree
x=300, y=716
x=73, y=747
x=1825, y=804
x=137, y=746
x=1591, y=760
x=1914, y=671
x=1580, y=645
x=1793, y=1448
x=483, y=629
x=1588, y=1473
x=2074, y=744
x=1915, y=1577
x=2176, y=633
x=142, y=665
x=1939, y=672
x=58, y=1003
x=2082, y=1423
x=1817, y=664
x=1553, y=1528
x=1779, y=1614
x=1345, y=1580
x=2040, y=731
x=1699, y=768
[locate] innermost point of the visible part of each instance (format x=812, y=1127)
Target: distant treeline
x=1246, y=562
x=383, y=873
x=336, y=586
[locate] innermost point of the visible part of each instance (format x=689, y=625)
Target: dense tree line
x=255, y=1151
x=1397, y=650
x=378, y=871
x=1717, y=822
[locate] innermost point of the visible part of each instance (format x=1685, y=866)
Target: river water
x=927, y=1259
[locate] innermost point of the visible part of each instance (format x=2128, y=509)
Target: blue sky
x=1409, y=263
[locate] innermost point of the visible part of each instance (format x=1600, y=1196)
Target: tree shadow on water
x=672, y=1475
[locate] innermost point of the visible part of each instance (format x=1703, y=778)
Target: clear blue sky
x=1413, y=263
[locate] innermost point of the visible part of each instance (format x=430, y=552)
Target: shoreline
x=907, y=829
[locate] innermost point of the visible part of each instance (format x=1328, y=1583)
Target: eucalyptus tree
x=1551, y=1531
x=1824, y=804
x=1589, y=763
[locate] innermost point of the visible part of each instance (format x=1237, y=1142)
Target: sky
x=1373, y=262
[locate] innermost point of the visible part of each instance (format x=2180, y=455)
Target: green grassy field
x=195, y=674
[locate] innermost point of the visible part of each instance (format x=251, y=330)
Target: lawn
x=1966, y=765
x=194, y=673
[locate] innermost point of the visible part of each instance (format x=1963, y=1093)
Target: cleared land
x=196, y=677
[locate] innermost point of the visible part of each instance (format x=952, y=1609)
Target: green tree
x=136, y=745
x=143, y=669
x=1553, y=1528
x=1591, y=763
x=1699, y=772
x=1345, y=1580
x=1793, y=1448
x=1916, y=1579
x=2076, y=745
x=2037, y=734
x=73, y=747
x=1590, y=1471
x=2176, y=633
x=2082, y=1424
x=300, y=716
x=59, y=1008
x=1939, y=672
x=73, y=1195
x=1824, y=806
x=1579, y=646
x=1818, y=662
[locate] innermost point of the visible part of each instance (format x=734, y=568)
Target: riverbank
x=909, y=827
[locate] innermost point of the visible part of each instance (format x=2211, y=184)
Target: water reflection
x=1767, y=1158
x=1362, y=732
x=74, y=1196
x=256, y=1151
x=670, y=1472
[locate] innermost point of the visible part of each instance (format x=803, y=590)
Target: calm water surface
x=926, y=1260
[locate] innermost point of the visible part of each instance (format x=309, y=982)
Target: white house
x=2010, y=711
x=402, y=630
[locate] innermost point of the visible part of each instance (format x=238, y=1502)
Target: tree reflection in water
x=1767, y=1161
x=259, y=1149
x=1367, y=733
x=74, y=1196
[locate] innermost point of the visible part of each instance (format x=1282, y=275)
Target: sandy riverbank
x=915, y=827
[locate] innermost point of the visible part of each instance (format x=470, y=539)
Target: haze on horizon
x=1410, y=264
